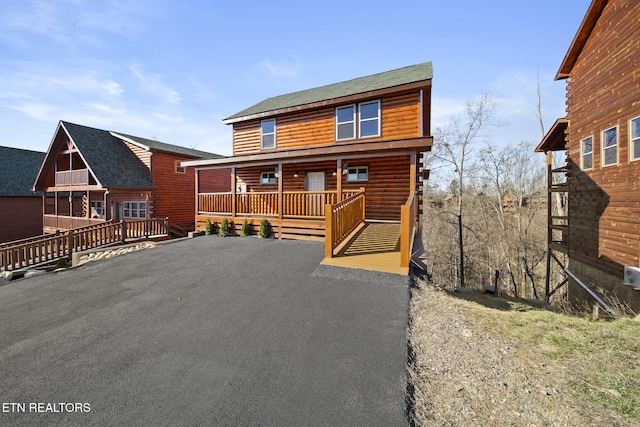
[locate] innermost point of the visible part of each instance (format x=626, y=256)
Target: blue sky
x=172, y=70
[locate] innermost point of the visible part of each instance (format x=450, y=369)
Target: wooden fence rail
x=408, y=224
x=46, y=249
x=341, y=219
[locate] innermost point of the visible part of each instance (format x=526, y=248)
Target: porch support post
x=233, y=191
x=339, y=180
x=197, y=195
x=88, y=204
x=55, y=194
x=412, y=173
x=280, y=198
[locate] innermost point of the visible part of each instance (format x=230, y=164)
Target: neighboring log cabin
x=20, y=207
x=91, y=176
x=296, y=154
x=599, y=229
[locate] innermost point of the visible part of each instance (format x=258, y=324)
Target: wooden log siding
x=341, y=219
x=604, y=225
x=400, y=119
x=20, y=217
x=173, y=197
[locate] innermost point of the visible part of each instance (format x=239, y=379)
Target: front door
x=315, y=202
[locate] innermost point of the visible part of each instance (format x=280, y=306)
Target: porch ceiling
x=316, y=153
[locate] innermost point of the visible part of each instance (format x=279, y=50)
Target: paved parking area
x=206, y=331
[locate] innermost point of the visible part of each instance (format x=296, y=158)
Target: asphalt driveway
x=206, y=331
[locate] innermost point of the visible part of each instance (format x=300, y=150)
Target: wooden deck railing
x=264, y=204
x=307, y=204
x=341, y=219
x=68, y=222
x=45, y=249
x=215, y=202
x=72, y=177
x=408, y=223
x=295, y=204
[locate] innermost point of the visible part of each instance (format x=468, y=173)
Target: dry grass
x=481, y=360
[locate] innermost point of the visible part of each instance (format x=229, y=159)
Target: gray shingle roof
x=18, y=171
x=112, y=163
x=388, y=79
x=170, y=148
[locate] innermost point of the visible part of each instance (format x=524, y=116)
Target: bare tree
x=457, y=140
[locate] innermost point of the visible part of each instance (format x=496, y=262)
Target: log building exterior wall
x=602, y=93
x=20, y=217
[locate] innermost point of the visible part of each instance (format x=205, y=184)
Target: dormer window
x=358, y=121
x=268, y=134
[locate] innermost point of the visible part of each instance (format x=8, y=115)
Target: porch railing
x=295, y=204
x=45, y=249
x=408, y=225
x=68, y=222
x=341, y=219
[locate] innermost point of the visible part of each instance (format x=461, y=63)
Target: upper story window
x=634, y=132
x=610, y=146
x=363, y=118
x=179, y=167
x=369, y=115
x=586, y=153
x=268, y=134
x=346, y=122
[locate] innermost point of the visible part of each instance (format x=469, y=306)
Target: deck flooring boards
x=376, y=246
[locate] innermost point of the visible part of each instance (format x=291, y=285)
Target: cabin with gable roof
x=297, y=155
x=91, y=175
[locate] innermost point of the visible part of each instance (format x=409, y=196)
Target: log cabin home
x=90, y=176
x=599, y=228
x=296, y=154
x=20, y=207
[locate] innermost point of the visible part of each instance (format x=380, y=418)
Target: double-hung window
x=634, y=131
x=586, y=153
x=369, y=119
x=358, y=120
x=346, y=122
x=610, y=146
x=268, y=134
x=136, y=210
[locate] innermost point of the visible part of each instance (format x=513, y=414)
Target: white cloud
x=281, y=70
x=152, y=84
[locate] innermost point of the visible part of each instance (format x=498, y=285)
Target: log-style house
x=295, y=154
x=599, y=228
x=91, y=176
x=20, y=207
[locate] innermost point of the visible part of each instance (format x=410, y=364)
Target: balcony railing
x=73, y=177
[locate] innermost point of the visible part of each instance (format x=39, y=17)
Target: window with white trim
x=357, y=173
x=268, y=178
x=358, y=120
x=179, y=167
x=610, y=146
x=136, y=210
x=634, y=132
x=268, y=134
x=346, y=122
x=97, y=209
x=369, y=119
x=586, y=153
